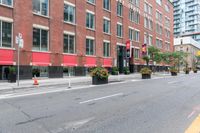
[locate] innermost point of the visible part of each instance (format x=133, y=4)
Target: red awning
x=6, y=57
x=107, y=62
x=40, y=59
x=70, y=60
x=90, y=62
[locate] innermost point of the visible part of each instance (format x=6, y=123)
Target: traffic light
x=128, y=49
x=144, y=49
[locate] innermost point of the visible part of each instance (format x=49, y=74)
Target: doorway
x=121, y=60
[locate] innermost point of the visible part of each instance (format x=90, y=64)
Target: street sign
x=19, y=40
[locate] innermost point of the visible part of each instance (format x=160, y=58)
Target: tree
x=146, y=59
x=154, y=54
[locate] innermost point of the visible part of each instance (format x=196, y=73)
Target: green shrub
x=145, y=70
x=126, y=70
x=99, y=72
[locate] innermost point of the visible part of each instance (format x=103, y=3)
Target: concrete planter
x=98, y=81
x=174, y=73
x=12, y=78
x=187, y=72
x=146, y=76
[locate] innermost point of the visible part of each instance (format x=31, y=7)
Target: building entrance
x=4, y=71
x=121, y=60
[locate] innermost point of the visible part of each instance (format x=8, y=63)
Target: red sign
x=128, y=45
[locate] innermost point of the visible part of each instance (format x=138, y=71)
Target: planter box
x=173, y=73
x=99, y=81
x=146, y=76
x=114, y=73
x=126, y=73
x=12, y=78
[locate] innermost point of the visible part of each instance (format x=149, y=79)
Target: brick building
x=80, y=34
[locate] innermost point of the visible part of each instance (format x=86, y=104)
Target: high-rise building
x=79, y=34
x=187, y=18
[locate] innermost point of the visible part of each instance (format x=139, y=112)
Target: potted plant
x=195, y=70
x=146, y=73
x=99, y=76
x=173, y=71
x=126, y=71
x=114, y=71
x=36, y=72
x=12, y=75
x=186, y=70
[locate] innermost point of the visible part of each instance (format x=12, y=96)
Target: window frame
x=68, y=47
x=40, y=12
x=11, y=6
x=74, y=12
x=48, y=47
x=1, y=38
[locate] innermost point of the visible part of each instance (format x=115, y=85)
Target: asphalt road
x=166, y=105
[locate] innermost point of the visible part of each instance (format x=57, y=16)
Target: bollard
x=69, y=81
x=35, y=81
x=118, y=76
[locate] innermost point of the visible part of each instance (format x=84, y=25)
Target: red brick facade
x=24, y=19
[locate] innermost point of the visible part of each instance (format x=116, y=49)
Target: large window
x=69, y=13
x=136, y=53
x=137, y=36
x=106, y=26
x=69, y=44
x=119, y=9
x=41, y=7
x=119, y=30
x=5, y=34
x=106, y=49
x=40, y=39
x=106, y=4
x=7, y=2
x=90, y=46
x=131, y=34
x=90, y=20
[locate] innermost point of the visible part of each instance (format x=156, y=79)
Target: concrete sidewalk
x=86, y=80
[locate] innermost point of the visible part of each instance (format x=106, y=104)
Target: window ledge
x=7, y=48
x=120, y=37
x=74, y=24
x=70, y=54
x=7, y=6
x=90, y=29
x=41, y=15
x=107, y=33
x=107, y=57
x=106, y=10
x=119, y=16
x=90, y=56
x=41, y=51
x=91, y=3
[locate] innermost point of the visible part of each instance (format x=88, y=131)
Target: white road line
x=101, y=98
x=173, y=82
x=191, y=114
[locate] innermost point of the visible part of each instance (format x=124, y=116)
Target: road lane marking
x=195, y=126
x=101, y=98
x=174, y=82
x=77, y=124
x=191, y=114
